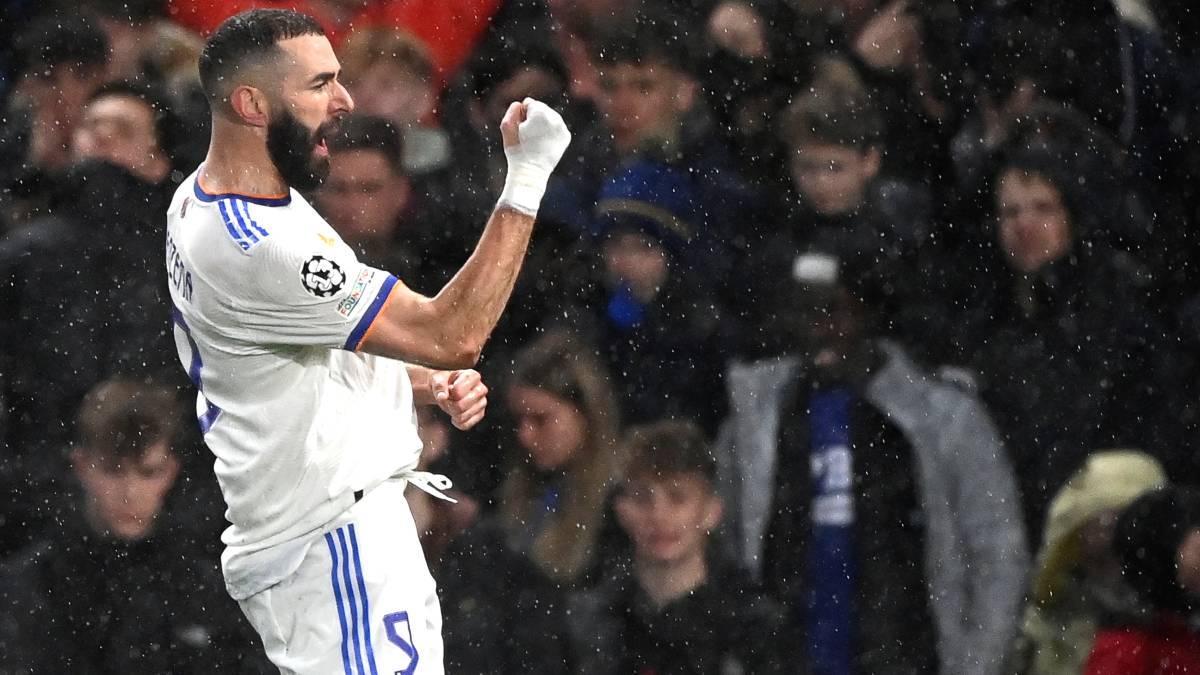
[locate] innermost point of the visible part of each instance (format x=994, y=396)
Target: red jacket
x=1168, y=647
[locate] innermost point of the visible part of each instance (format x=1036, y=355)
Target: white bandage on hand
x=542, y=139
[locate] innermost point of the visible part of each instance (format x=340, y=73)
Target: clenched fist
x=461, y=394
x=535, y=138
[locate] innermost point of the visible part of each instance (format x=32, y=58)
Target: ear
x=686, y=91
x=872, y=160
x=250, y=105
x=173, y=467
x=402, y=193
x=81, y=464
x=714, y=513
x=624, y=512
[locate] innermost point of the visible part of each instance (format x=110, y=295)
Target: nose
x=527, y=436
x=128, y=491
x=1026, y=222
x=342, y=101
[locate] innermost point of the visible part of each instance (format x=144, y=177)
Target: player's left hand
x=461, y=394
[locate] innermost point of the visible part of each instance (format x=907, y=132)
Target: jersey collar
x=264, y=200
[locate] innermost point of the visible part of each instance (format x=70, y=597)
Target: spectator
x=1057, y=326
x=1088, y=56
x=108, y=233
x=758, y=55
x=60, y=61
x=114, y=588
x=136, y=30
x=648, y=88
x=483, y=584
x=552, y=503
x=675, y=611
x=130, y=125
x=1158, y=542
x=390, y=75
x=63, y=61
x=1077, y=577
x=908, y=53
x=840, y=203
x=651, y=108
x=370, y=200
x=660, y=327
x=853, y=480
x=147, y=47
x=107, y=248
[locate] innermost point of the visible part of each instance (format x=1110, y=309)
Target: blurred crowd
x=855, y=336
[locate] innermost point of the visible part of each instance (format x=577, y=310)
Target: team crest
x=322, y=277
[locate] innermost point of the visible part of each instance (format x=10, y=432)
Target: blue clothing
x=829, y=609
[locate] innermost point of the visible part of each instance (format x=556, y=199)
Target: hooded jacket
x=1059, y=625
x=974, y=557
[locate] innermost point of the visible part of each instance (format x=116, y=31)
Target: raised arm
x=449, y=330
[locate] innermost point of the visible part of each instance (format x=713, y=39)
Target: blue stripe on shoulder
x=246, y=232
x=233, y=230
x=253, y=223
x=237, y=214
x=364, y=322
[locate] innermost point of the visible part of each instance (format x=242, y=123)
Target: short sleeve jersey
x=269, y=306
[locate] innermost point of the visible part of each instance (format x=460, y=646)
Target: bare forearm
x=472, y=302
x=422, y=384
x=448, y=331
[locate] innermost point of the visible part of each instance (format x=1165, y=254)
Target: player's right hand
x=535, y=138
x=461, y=394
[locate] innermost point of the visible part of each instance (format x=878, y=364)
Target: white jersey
x=269, y=307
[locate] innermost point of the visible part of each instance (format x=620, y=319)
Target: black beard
x=291, y=146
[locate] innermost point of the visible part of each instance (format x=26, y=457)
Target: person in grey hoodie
x=873, y=498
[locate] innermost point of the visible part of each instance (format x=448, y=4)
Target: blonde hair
x=836, y=108
x=369, y=47
x=559, y=365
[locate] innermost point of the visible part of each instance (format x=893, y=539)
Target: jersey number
x=211, y=412
x=392, y=625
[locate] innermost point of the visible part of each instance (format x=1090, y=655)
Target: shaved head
x=243, y=50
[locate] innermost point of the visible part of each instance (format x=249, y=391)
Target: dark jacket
x=884, y=245
x=500, y=613
x=1069, y=359
x=81, y=603
x=83, y=297
x=667, y=363
x=722, y=627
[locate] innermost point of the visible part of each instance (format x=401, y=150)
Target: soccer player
x=309, y=363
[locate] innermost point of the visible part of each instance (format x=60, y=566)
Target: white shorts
x=361, y=603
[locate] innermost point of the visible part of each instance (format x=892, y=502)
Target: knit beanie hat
x=653, y=198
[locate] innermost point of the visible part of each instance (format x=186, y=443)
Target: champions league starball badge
x=321, y=276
